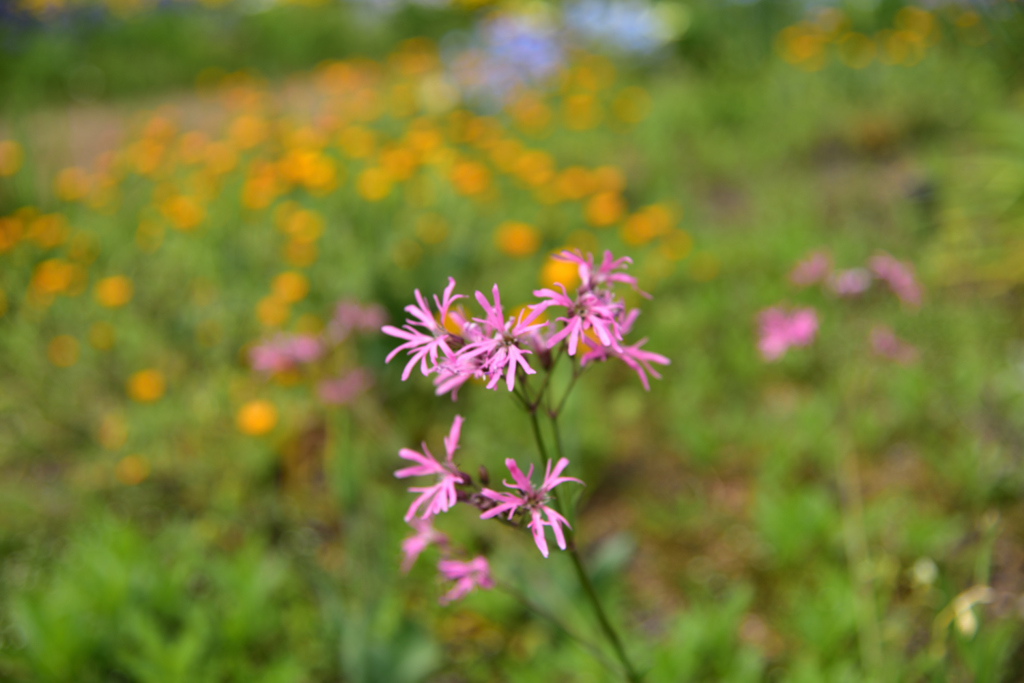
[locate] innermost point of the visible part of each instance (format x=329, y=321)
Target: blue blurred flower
x=626, y=25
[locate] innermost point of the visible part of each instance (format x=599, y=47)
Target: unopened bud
x=485, y=476
x=466, y=480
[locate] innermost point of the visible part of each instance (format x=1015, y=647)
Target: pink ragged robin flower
x=814, y=268
x=285, y=352
x=780, y=330
x=425, y=536
x=899, y=276
x=532, y=501
x=501, y=347
x=633, y=355
x=886, y=344
x=596, y=310
x=343, y=390
x=467, y=575
x=426, y=343
x=440, y=496
x=849, y=283
x=603, y=275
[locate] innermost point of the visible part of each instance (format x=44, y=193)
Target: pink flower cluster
x=288, y=352
x=816, y=268
x=524, y=505
x=780, y=330
x=494, y=348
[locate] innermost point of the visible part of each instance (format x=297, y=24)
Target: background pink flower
x=780, y=330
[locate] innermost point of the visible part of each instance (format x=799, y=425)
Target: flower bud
x=485, y=476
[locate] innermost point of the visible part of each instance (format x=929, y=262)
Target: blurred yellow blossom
x=114, y=291
x=146, y=386
x=10, y=158
x=113, y=431
x=290, y=286
x=374, y=184
x=52, y=276
x=71, y=184
x=272, y=312
x=562, y=272
x=256, y=418
x=184, y=212
x=131, y=470
x=470, y=177
x=604, y=209
x=517, y=239
x=856, y=50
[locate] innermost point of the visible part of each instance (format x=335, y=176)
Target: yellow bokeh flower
x=256, y=418
x=290, y=287
x=184, y=212
x=517, y=239
x=358, y=142
x=470, y=178
x=131, y=470
x=581, y=111
x=604, y=209
x=48, y=230
x=10, y=158
x=52, y=276
x=535, y=168
x=374, y=184
x=10, y=233
x=272, y=312
x=146, y=386
x=114, y=291
x=856, y=50
x=559, y=272
x=647, y=224
x=71, y=184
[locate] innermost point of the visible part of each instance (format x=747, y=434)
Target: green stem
x=588, y=587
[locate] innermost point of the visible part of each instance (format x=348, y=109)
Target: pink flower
x=899, y=276
x=633, y=356
x=439, y=497
x=780, y=330
x=595, y=310
x=532, y=502
x=851, y=282
x=500, y=347
x=425, y=536
x=886, y=344
x=812, y=269
x=425, y=343
x=603, y=275
x=351, y=316
x=342, y=390
x=285, y=352
x=467, y=575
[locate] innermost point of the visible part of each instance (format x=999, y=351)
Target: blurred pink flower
x=780, y=330
x=899, y=276
x=351, y=316
x=467, y=575
x=886, y=344
x=850, y=282
x=439, y=497
x=285, y=352
x=814, y=268
x=425, y=536
x=341, y=390
x=532, y=501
